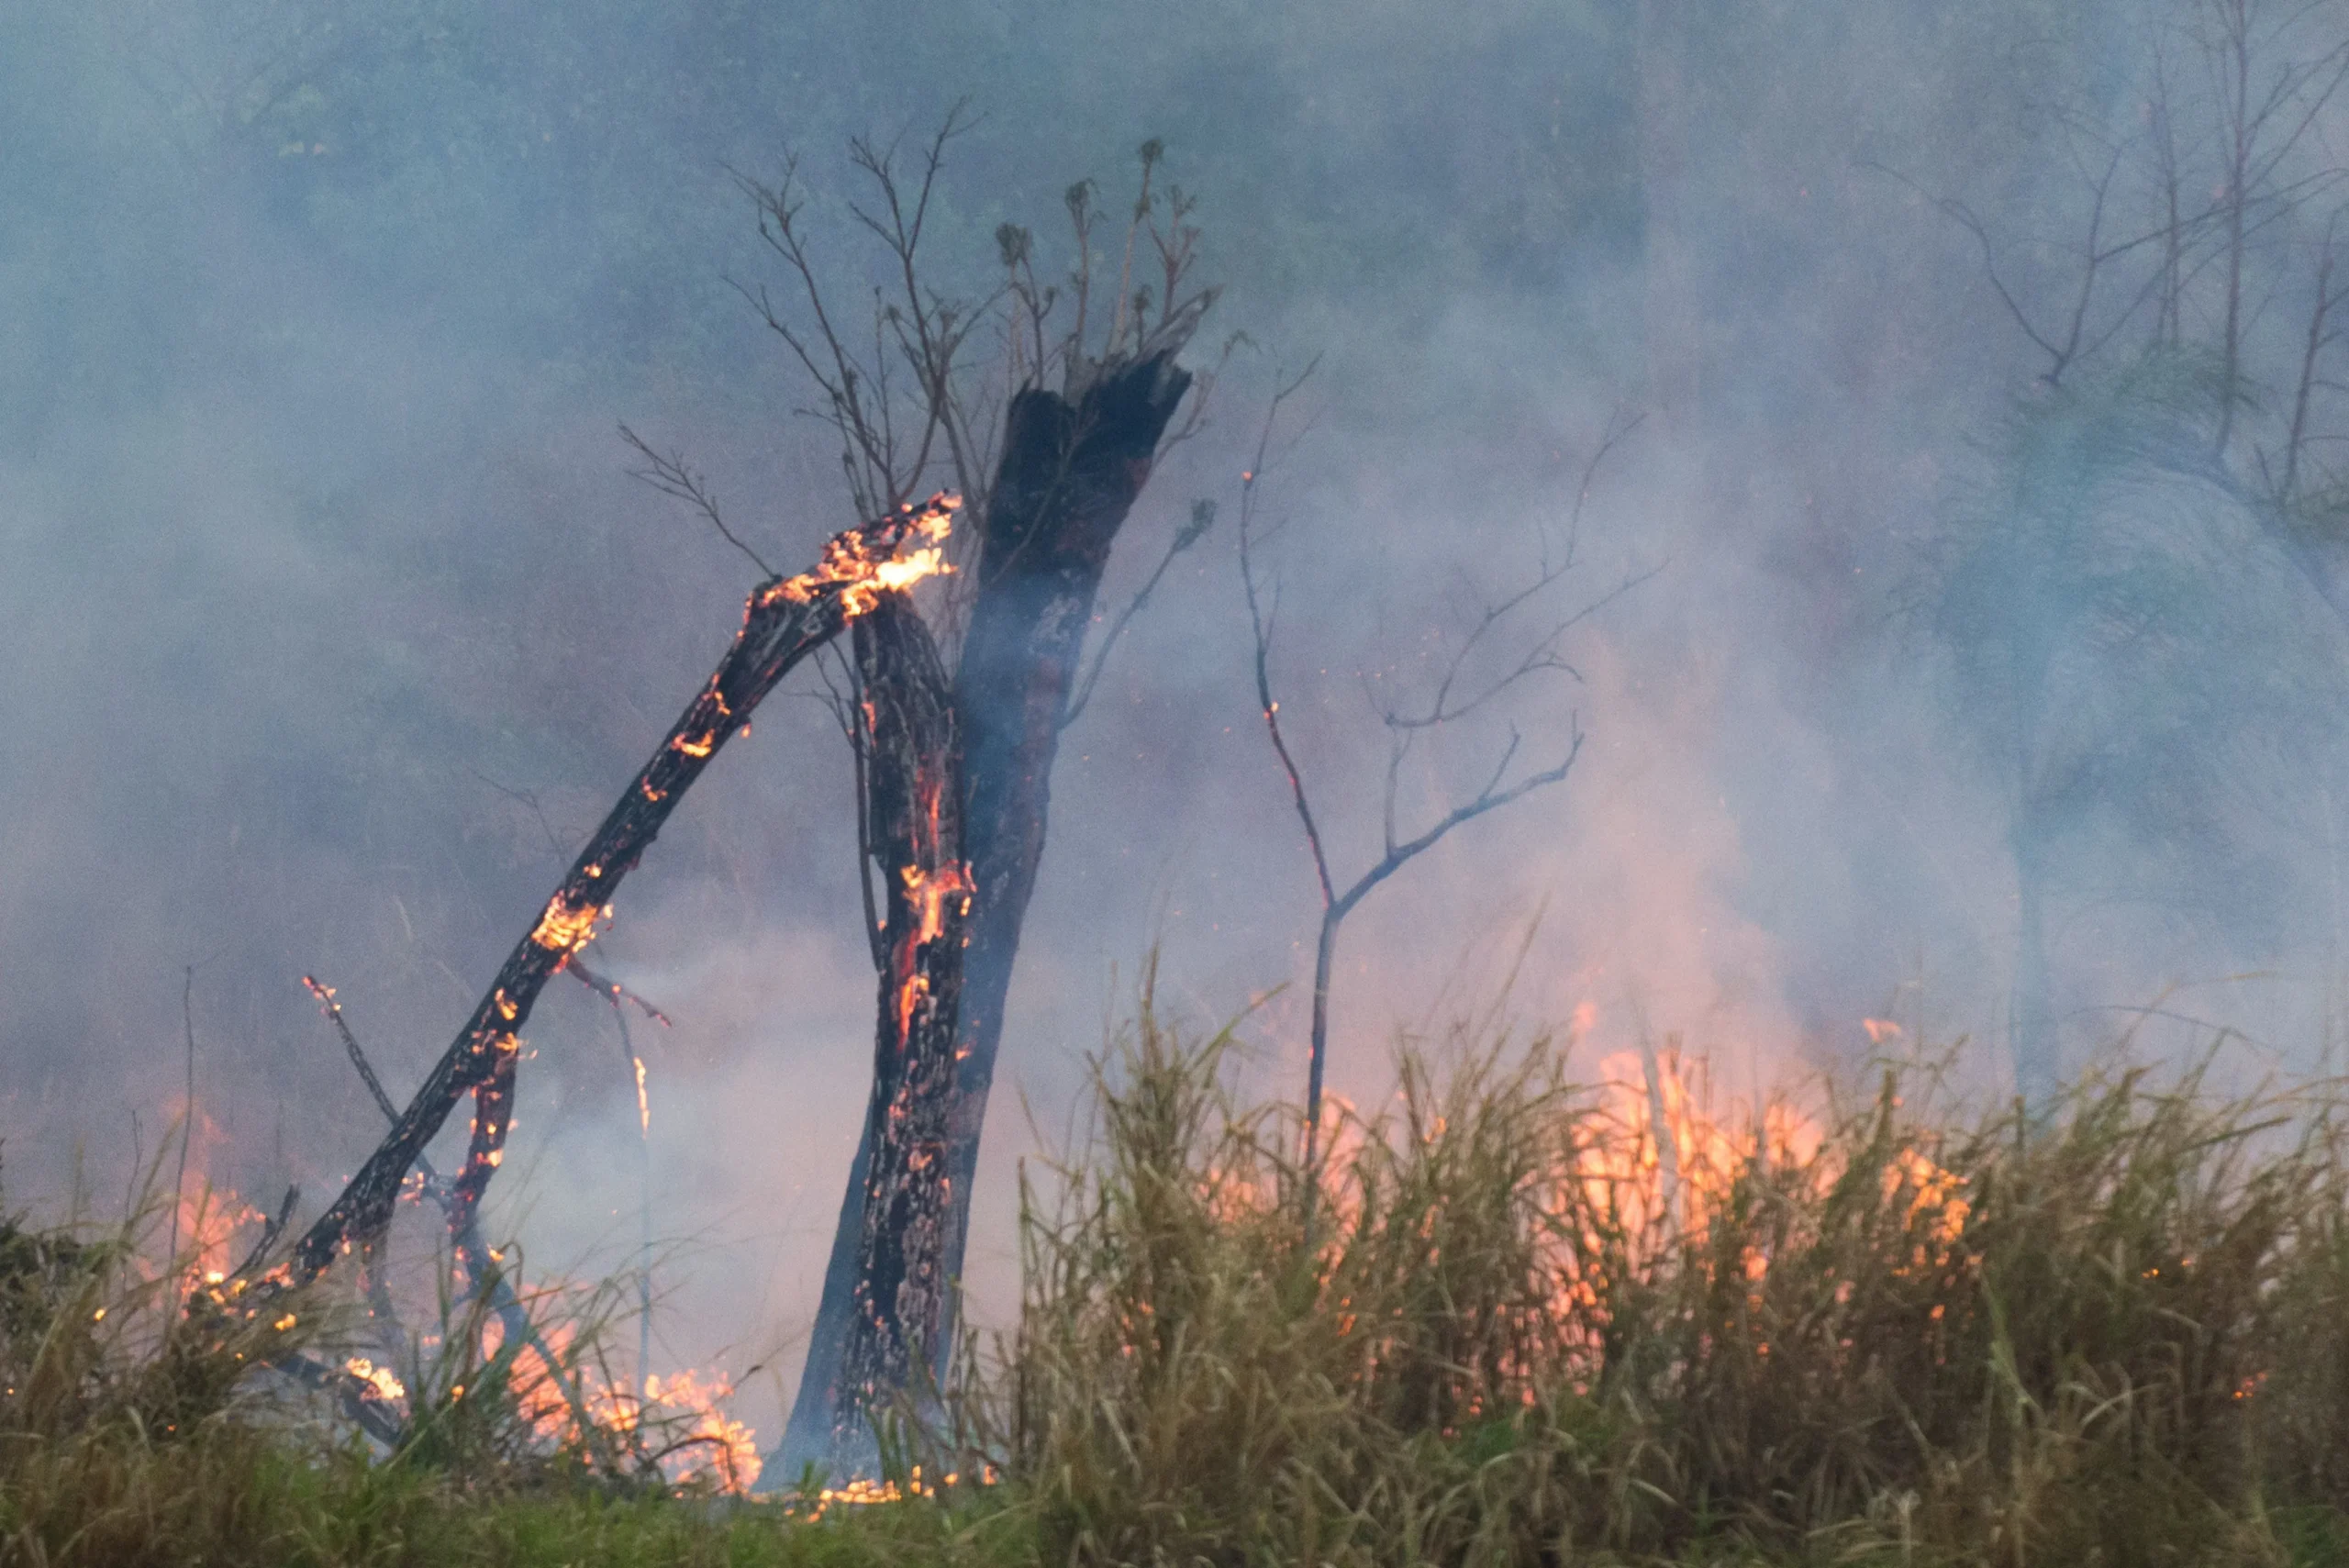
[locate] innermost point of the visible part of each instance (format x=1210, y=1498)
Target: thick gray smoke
x=332, y=621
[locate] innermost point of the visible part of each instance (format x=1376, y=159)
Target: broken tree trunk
x=1071, y=468
x=784, y=620
x=913, y=803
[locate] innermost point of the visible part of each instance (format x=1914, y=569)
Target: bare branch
x=1190, y=533
x=1492, y=796
x=1541, y=654
x=667, y=472
x=1261, y=619
x=614, y=992
x=324, y=995
x=1498, y=791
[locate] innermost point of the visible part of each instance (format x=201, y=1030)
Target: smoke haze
x=332, y=621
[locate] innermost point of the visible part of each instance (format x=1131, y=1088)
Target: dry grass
x=1513, y=1326
x=134, y=1433
x=1520, y=1331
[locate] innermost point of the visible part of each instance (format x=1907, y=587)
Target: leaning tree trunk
x=913, y=804
x=1071, y=468
x=784, y=621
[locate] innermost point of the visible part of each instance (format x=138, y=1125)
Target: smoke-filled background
x=332, y=621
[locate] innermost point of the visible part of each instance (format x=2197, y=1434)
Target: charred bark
x=1070, y=472
x=1071, y=468
x=913, y=803
x=784, y=620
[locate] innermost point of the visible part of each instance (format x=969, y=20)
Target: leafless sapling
x=1468, y=682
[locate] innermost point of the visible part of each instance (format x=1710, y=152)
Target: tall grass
x=1523, y=1327
x=121, y=1413
x=1520, y=1314
x=135, y=1429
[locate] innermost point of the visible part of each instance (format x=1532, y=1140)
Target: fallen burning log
x=784, y=620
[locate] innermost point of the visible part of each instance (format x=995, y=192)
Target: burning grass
x=135, y=1430
x=1523, y=1327
x=1531, y=1314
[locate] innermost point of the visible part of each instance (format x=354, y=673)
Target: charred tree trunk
x=784, y=620
x=913, y=805
x=1071, y=469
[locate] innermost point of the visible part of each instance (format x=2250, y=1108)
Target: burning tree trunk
x=1070, y=470
x=477, y=1265
x=784, y=620
x=899, y=1306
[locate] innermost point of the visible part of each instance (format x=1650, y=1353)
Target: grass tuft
x=1522, y=1313
x=1523, y=1327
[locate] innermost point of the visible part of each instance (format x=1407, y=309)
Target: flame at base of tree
x=864, y=1493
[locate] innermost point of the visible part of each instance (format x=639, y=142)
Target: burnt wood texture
x=1071, y=468
x=784, y=620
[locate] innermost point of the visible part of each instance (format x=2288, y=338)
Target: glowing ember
x=566, y=927
x=378, y=1378
x=928, y=892
x=866, y=1494
x=931, y=891
x=643, y=1105
x=863, y=574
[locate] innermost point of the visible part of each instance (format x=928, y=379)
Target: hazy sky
x=332, y=620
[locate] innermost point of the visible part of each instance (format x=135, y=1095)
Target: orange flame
x=208, y=1222
x=928, y=892
x=680, y=1417
x=864, y=573
x=709, y=1445
x=566, y=927
x=379, y=1378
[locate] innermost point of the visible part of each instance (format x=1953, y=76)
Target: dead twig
x=1444, y=707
